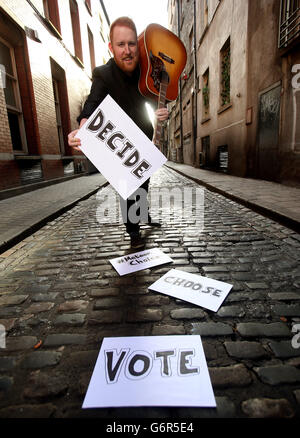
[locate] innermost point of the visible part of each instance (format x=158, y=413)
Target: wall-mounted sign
x=150, y=371
x=118, y=148
x=202, y=291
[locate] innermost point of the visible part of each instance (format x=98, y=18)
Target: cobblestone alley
x=60, y=296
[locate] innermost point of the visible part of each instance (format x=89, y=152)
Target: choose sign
x=202, y=291
x=118, y=148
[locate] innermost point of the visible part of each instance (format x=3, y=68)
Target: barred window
x=289, y=29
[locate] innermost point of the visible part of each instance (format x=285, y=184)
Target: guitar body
x=160, y=49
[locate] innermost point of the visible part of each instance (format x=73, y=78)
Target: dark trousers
x=135, y=209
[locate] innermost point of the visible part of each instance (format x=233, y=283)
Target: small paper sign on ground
x=202, y=291
x=118, y=148
x=150, y=371
x=139, y=261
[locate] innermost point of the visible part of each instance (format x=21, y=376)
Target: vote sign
x=118, y=148
x=202, y=291
x=150, y=371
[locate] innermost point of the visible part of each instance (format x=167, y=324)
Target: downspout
x=195, y=109
x=180, y=158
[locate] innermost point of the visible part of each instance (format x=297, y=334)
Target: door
x=268, y=134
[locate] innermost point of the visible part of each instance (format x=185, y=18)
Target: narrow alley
x=60, y=296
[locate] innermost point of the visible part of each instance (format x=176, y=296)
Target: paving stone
x=107, y=303
x=153, y=301
x=144, y=315
x=108, y=291
x=43, y=386
x=162, y=330
x=74, y=294
x=186, y=313
x=84, y=359
x=246, y=350
x=46, y=272
x=64, y=339
x=211, y=329
x=105, y=317
x=231, y=311
x=284, y=296
x=20, y=343
x=225, y=409
x=253, y=329
x=7, y=363
x=231, y=376
x=41, y=359
x=286, y=310
x=39, y=307
x=12, y=300
x=257, y=285
x=8, y=323
x=267, y=408
x=51, y=296
x=6, y=383
x=73, y=306
x=278, y=374
x=284, y=349
x=73, y=319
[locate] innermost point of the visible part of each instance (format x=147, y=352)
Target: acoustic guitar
x=162, y=60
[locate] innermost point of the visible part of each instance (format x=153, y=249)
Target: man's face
x=124, y=47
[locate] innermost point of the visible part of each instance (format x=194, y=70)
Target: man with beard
x=119, y=78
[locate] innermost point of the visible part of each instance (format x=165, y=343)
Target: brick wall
x=35, y=79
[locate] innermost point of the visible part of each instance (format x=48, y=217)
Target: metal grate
x=289, y=28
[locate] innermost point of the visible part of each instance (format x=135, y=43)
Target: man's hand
x=72, y=140
x=162, y=114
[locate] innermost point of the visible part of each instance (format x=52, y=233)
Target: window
x=12, y=96
x=92, y=49
x=52, y=13
x=61, y=103
x=289, y=28
x=76, y=29
x=225, y=74
x=58, y=116
x=205, y=93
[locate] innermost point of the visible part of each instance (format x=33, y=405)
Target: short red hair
x=122, y=21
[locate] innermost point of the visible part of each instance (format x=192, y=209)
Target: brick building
x=239, y=103
x=48, y=49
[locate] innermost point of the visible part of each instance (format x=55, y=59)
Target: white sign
x=139, y=261
x=118, y=148
x=202, y=291
x=150, y=371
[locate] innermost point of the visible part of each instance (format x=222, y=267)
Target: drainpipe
x=180, y=158
x=195, y=110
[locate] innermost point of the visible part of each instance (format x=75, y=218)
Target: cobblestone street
x=60, y=296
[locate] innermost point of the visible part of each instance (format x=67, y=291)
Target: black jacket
x=110, y=79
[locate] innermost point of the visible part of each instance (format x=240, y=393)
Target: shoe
x=136, y=240
x=152, y=223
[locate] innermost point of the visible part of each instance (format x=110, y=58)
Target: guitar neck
x=161, y=104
